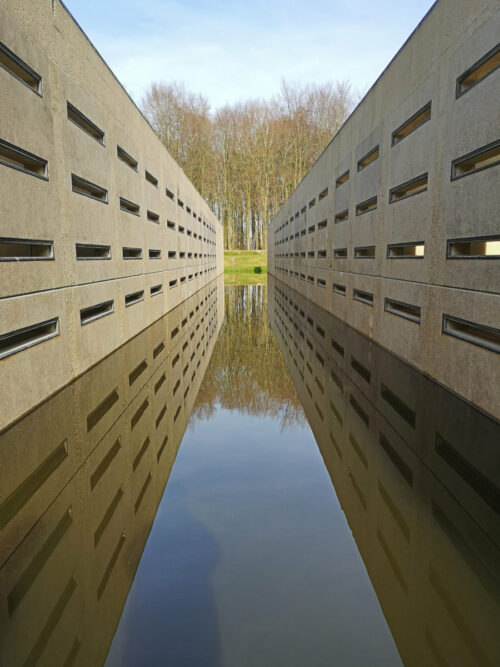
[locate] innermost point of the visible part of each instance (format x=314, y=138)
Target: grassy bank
x=245, y=267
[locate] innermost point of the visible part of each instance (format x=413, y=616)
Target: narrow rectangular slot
x=176, y=387
x=27, y=489
x=412, y=124
x=366, y=252
x=134, y=297
x=486, y=247
x=107, y=460
x=181, y=229
x=137, y=372
x=160, y=382
x=84, y=123
x=482, y=158
x=150, y=178
x=323, y=194
x=142, y=493
x=83, y=187
x=109, y=569
x=321, y=254
x=188, y=210
x=177, y=356
x=339, y=289
x=20, y=70
x=92, y=313
x=311, y=229
x=335, y=444
x=398, y=405
x=22, y=339
x=310, y=279
x=162, y=447
x=336, y=413
x=161, y=414
x=337, y=347
x=138, y=414
x=406, y=310
x=129, y=206
x=340, y=253
x=156, y=289
x=357, y=448
x=343, y=178
x=158, y=349
x=132, y=253
x=170, y=224
x=180, y=203
x=38, y=561
x=17, y=158
x=361, y=369
x=140, y=453
x=303, y=209
x=312, y=203
x=125, y=157
x=153, y=217
x=154, y=253
x=25, y=250
x=366, y=206
x=310, y=254
x=320, y=282
x=322, y=224
x=359, y=410
x=477, y=334
x=367, y=159
x=183, y=279
x=85, y=251
x=108, y=515
x=320, y=330
x=414, y=250
x=172, y=254
x=341, y=217
x=182, y=254
x=103, y=408
x=483, y=486
x=362, y=296
x=413, y=187
x=396, y=459
x=479, y=71
x=392, y=562
x=169, y=193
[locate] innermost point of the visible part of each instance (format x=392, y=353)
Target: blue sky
x=234, y=50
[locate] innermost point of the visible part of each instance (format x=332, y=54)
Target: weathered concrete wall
x=415, y=469
x=175, y=236
x=71, y=545
x=345, y=256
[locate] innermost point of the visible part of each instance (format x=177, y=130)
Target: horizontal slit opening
x=141, y=453
x=396, y=459
x=19, y=69
x=181, y=229
x=406, y=250
x=339, y=289
x=364, y=297
x=109, y=569
x=153, y=217
x=154, y=253
x=486, y=247
x=368, y=158
x=96, y=312
x=89, y=251
x=341, y=217
x=138, y=414
x=142, y=493
x=323, y=194
x=137, y=372
x=342, y=178
x=482, y=158
x=321, y=254
x=84, y=187
x=108, y=515
x=160, y=382
x=134, y=297
x=156, y=289
x=359, y=410
x=361, y=369
x=158, y=349
x=406, y=310
x=162, y=413
x=172, y=283
x=125, y=157
x=27, y=489
x=412, y=124
x=479, y=71
x=104, y=407
x=398, y=405
x=170, y=224
x=322, y=224
x=169, y=193
x=22, y=339
x=477, y=334
x=104, y=464
x=366, y=251
x=129, y=206
x=85, y=123
x=19, y=250
x=132, y=253
x=312, y=203
x=320, y=282
x=340, y=253
x=366, y=206
x=150, y=178
x=162, y=447
x=17, y=158
x=180, y=203
x=408, y=189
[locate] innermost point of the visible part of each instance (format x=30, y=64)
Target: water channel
x=250, y=482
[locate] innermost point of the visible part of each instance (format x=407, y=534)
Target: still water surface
x=327, y=504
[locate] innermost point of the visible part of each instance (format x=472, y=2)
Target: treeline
x=246, y=159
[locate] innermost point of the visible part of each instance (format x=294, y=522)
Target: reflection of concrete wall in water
x=395, y=229
x=81, y=480
x=101, y=231
x=416, y=472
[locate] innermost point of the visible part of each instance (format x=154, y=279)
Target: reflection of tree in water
x=246, y=371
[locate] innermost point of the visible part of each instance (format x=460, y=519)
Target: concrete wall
x=416, y=470
x=61, y=66
x=309, y=233
x=71, y=543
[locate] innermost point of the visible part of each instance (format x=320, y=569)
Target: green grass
x=245, y=267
